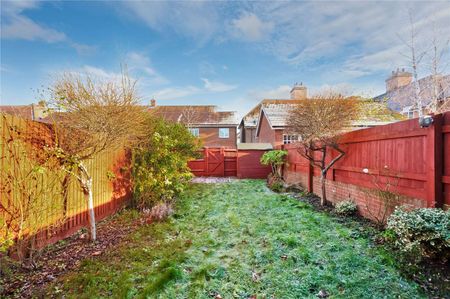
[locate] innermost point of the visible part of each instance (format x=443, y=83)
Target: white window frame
x=224, y=135
x=194, y=131
x=289, y=138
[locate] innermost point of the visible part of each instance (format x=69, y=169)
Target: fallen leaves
x=64, y=256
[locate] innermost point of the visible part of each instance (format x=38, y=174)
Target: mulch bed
x=21, y=281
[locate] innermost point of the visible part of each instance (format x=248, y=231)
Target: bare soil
x=25, y=280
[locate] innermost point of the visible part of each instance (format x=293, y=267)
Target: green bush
x=160, y=170
x=275, y=159
x=425, y=231
x=346, y=208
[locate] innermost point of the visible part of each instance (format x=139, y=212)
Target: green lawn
x=239, y=240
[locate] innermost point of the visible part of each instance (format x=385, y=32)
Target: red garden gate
x=223, y=162
x=219, y=162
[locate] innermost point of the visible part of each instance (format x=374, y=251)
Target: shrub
x=276, y=186
x=160, y=170
x=346, y=207
x=425, y=231
x=275, y=159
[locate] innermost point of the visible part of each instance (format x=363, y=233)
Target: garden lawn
x=238, y=240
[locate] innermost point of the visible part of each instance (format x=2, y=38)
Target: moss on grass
x=239, y=240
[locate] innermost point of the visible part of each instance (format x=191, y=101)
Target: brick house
x=214, y=128
x=267, y=122
x=249, y=122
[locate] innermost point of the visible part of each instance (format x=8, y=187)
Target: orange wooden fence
x=48, y=215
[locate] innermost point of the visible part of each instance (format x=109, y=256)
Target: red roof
x=196, y=115
x=23, y=111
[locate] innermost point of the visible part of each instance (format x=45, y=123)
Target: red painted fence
x=415, y=160
x=222, y=162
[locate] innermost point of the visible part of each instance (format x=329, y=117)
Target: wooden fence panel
x=223, y=162
x=51, y=216
x=414, y=161
x=446, y=159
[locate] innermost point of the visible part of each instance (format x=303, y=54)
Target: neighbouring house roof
x=254, y=146
x=23, y=111
x=277, y=114
x=404, y=96
x=196, y=115
x=372, y=114
x=251, y=118
x=31, y=112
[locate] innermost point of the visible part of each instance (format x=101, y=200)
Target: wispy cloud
x=215, y=86
x=279, y=92
x=249, y=27
x=344, y=37
x=140, y=64
x=15, y=25
x=195, y=19
x=208, y=87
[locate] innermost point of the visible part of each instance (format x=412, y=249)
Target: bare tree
x=190, y=116
x=429, y=92
x=439, y=49
x=415, y=57
x=318, y=122
x=97, y=115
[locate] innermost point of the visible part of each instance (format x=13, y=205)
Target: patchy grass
x=239, y=240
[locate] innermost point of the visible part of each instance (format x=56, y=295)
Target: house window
x=224, y=132
x=195, y=132
x=287, y=139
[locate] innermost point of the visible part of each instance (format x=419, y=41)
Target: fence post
x=310, y=177
x=435, y=163
x=206, y=153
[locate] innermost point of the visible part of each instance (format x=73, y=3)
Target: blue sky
x=231, y=54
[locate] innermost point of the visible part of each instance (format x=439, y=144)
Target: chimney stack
x=398, y=79
x=298, y=92
x=152, y=103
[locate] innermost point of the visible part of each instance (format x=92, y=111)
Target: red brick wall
x=269, y=135
x=265, y=134
x=210, y=138
x=369, y=205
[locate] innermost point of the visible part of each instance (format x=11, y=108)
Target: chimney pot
x=152, y=103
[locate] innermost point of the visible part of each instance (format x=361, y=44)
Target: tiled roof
x=196, y=115
x=251, y=118
x=372, y=114
x=23, y=111
x=277, y=114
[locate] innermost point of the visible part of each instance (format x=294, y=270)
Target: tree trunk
x=323, y=200
x=86, y=184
